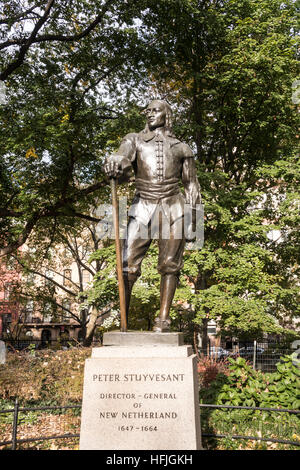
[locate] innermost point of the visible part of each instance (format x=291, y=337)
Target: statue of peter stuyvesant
x=160, y=162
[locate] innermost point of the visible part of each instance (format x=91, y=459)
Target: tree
x=57, y=279
x=32, y=23
x=228, y=68
x=56, y=123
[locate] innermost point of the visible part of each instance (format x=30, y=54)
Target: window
x=46, y=337
x=11, y=264
x=7, y=318
x=7, y=291
x=6, y=321
x=47, y=317
x=28, y=310
x=65, y=313
x=30, y=278
x=66, y=304
x=50, y=276
x=211, y=328
x=64, y=336
x=88, y=250
x=85, y=276
x=67, y=276
x=29, y=306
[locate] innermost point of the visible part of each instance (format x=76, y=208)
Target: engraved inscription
x=138, y=378
x=138, y=402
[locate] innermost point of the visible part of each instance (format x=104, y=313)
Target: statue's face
x=156, y=115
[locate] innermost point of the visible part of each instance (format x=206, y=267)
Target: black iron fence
x=17, y=420
x=262, y=356
x=15, y=441
x=258, y=438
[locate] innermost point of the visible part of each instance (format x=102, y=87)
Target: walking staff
x=115, y=205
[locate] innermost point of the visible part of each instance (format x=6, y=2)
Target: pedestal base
x=142, y=338
x=141, y=396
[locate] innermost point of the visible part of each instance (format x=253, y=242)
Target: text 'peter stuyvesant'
x=138, y=378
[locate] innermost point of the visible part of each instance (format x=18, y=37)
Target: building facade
x=43, y=306
x=9, y=306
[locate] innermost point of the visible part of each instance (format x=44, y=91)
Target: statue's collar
x=159, y=134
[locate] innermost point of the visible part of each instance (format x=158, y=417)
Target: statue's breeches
x=139, y=237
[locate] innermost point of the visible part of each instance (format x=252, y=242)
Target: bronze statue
x=159, y=161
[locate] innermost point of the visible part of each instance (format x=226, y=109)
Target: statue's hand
x=112, y=169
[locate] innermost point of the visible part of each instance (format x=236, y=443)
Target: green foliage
x=57, y=123
x=105, y=283
x=240, y=385
x=227, y=69
x=29, y=417
x=247, y=387
x=47, y=378
x=228, y=72
x=145, y=294
x=257, y=424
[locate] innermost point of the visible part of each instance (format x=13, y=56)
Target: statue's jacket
x=160, y=162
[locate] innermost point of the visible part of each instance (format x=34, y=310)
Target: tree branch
x=25, y=43
x=22, y=237
x=44, y=276
x=75, y=253
x=24, y=48
x=19, y=16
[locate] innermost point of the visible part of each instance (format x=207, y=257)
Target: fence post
x=254, y=355
x=15, y=426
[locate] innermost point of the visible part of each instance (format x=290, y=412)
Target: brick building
x=42, y=306
x=9, y=306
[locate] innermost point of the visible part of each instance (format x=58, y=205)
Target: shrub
x=49, y=377
x=209, y=368
x=245, y=386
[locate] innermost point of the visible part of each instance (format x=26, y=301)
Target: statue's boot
x=168, y=286
x=128, y=285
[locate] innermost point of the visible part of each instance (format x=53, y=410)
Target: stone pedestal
x=141, y=393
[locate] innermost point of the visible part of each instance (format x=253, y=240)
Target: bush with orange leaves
x=209, y=368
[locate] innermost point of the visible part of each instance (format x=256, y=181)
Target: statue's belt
x=156, y=191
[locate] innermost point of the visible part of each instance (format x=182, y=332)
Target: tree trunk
x=204, y=336
x=195, y=341
x=90, y=327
